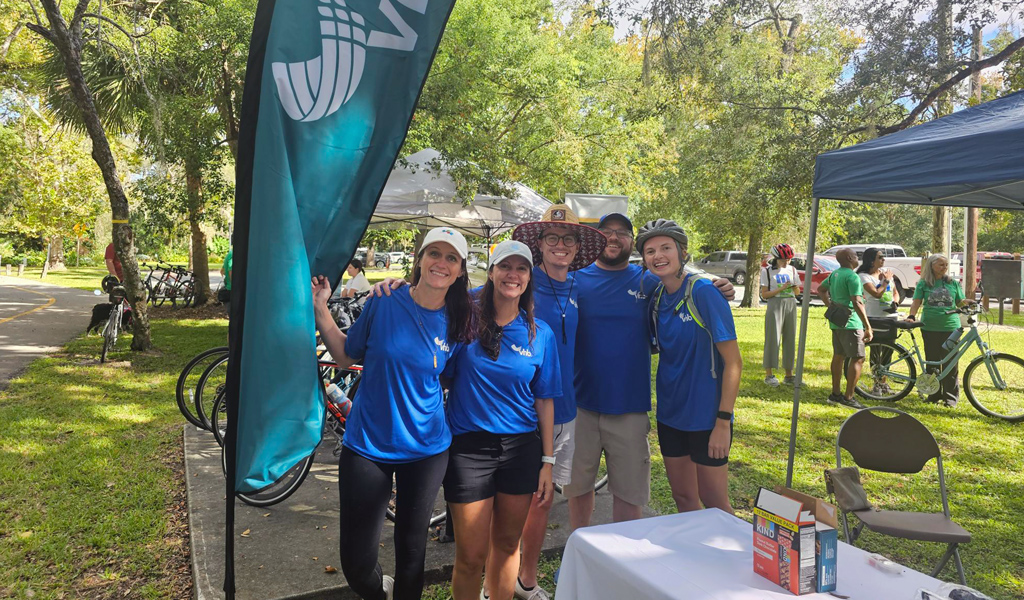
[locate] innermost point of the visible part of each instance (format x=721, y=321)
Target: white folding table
x=702, y=555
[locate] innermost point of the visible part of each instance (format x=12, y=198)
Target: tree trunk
x=56, y=257
x=68, y=42
x=944, y=39
x=751, y=295
x=199, y=258
x=971, y=247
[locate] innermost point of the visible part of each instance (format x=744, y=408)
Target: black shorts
x=482, y=464
x=676, y=444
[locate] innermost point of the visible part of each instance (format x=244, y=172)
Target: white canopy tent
x=973, y=158
x=419, y=193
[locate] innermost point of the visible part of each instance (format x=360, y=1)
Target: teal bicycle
x=993, y=382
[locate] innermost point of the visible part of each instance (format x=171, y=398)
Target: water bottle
x=339, y=399
x=953, y=340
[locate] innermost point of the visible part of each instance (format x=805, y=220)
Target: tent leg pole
x=802, y=344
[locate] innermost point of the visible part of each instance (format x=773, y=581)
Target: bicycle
x=996, y=391
x=120, y=315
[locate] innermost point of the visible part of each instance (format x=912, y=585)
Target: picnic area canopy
x=971, y=158
x=420, y=191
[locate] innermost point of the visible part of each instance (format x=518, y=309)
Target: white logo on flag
x=315, y=88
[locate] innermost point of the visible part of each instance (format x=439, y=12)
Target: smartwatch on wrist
x=548, y=459
x=725, y=416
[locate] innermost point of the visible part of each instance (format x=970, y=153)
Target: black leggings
x=365, y=489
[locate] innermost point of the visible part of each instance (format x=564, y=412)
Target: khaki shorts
x=848, y=342
x=565, y=441
x=623, y=439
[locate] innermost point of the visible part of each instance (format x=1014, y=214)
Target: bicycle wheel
x=889, y=372
x=998, y=389
x=272, y=494
x=219, y=418
x=212, y=382
x=185, y=391
x=110, y=332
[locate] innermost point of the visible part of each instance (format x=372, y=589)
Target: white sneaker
x=389, y=586
x=772, y=381
x=537, y=593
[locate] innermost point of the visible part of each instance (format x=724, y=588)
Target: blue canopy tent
x=971, y=158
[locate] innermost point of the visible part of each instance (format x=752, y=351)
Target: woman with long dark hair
x=501, y=413
x=397, y=428
x=880, y=301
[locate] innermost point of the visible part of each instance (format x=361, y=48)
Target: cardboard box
x=795, y=541
x=826, y=537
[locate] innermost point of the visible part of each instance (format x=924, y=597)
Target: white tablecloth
x=702, y=555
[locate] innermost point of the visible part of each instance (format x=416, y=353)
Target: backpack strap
x=686, y=300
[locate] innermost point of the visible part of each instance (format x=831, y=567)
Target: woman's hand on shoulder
x=383, y=288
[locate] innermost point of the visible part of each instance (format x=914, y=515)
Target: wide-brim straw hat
x=590, y=246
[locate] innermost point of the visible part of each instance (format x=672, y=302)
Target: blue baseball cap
x=613, y=216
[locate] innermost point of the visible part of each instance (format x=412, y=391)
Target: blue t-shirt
x=497, y=396
x=613, y=352
x=688, y=395
x=550, y=297
x=398, y=412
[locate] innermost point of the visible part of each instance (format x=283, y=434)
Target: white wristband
x=548, y=459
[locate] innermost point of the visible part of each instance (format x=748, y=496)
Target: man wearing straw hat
x=560, y=246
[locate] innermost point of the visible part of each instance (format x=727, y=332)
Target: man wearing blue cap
x=613, y=378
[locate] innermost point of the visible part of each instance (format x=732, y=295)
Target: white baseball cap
x=449, y=236
x=511, y=248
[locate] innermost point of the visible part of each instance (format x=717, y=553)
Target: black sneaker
x=844, y=401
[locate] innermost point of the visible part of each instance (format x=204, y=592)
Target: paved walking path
x=282, y=552
x=37, y=318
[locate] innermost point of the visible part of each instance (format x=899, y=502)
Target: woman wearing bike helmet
x=780, y=283
x=397, y=428
x=698, y=371
x=501, y=413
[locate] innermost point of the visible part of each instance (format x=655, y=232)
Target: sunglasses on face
x=622, y=234
x=551, y=239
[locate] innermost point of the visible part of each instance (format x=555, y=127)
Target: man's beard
x=618, y=260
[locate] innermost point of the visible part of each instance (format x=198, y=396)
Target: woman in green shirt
x=938, y=293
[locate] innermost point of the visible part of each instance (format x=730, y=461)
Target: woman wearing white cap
x=397, y=428
x=501, y=413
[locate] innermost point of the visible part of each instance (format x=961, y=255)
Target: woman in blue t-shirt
x=699, y=371
x=501, y=413
x=397, y=428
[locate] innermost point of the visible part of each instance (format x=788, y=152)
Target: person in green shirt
x=939, y=295
x=843, y=287
x=224, y=294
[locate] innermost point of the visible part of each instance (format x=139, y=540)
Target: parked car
x=381, y=260
x=823, y=267
x=732, y=265
x=906, y=269
x=959, y=256
x=396, y=258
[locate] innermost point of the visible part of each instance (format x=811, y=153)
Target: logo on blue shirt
x=573, y=302
x=522, y=351
x=442, y=344
x=637, y=294
x=685, y=317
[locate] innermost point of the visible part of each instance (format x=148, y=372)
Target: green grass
x=90, y=459
x=92, y=494
x=83, y=278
